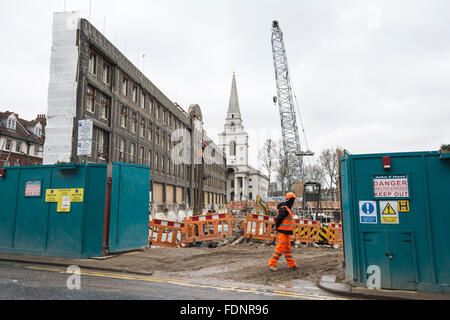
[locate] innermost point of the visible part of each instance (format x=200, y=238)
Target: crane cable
x=308, y=160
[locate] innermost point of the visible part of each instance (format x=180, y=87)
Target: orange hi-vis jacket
x=288, y=223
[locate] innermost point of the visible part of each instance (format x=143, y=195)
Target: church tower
x=243, y=181
x=234, y=140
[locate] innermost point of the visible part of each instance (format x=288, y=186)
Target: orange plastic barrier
x=165, y=233
x=335, y=234
x=306, y=230
x=259, y=227
x=208, y=227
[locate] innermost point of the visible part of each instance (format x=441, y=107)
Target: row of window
x=128, y=152
x=105, y=103
x=20, y=147
x=162, y=138
x=137, y=95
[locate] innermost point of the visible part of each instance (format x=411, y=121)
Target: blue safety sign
x=368, y=212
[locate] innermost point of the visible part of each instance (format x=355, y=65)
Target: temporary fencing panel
x=323, y=233
x=259, y=227
x=208, y=227
x=306, y=231
x=165, y=233
x=335, y=234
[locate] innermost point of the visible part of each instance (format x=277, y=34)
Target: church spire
x=233, y=107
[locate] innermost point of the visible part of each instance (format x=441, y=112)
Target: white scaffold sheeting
x=62, y=88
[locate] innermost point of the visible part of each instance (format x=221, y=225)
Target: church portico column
x=244, y=188
x=236, y=188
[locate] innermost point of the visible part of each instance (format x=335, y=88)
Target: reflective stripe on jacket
x=288, y=223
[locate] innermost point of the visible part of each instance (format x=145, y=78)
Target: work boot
x=273, y=268
x=294, y=267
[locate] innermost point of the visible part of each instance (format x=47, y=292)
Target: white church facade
x=244, y=182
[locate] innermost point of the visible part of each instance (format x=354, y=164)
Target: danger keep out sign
x=391, y=186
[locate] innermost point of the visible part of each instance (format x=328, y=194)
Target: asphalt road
x=20, y=281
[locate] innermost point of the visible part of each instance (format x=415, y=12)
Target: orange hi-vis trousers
x=283, y=246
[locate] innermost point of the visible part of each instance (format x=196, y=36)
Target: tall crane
x=293, y=154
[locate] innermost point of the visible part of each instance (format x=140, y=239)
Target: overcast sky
x=369, y=76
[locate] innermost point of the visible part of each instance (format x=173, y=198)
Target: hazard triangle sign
x=388, y=209
x=389, y=212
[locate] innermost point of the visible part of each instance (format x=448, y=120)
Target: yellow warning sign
x=389, y=213
x=51, y=195
x=388, y=210
x=403, y=205
x=76, y=195
x=64, y=197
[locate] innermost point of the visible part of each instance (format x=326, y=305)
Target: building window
x=123, y=117
x=232, y=148
x=93, y=63
x=102, y=143
x=157, y=136
x=150, y=132
x=132, y=152
x=106, y=73
x=122, y=150
x=159, y=114
x=38, y=131
x=8, y=144
x=135, y=93
x=142, y=129
x=143, y=100
x=141, y=155
x=104, y=107
x=125, y=87
x=232, y=127
x=36, y=150
x=18, y=146
x=133, y=122
x=156, y=165
x=11, y=123
x=90, y=99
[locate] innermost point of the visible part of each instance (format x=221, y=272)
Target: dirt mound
x=243, y=263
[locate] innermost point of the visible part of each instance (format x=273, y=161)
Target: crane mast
x=291, y=142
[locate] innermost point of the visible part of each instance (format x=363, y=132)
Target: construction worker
x=285, y=227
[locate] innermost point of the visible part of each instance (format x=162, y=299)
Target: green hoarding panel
x=397, y=219
x=129, y=207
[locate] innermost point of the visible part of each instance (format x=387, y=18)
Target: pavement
x=327, y=283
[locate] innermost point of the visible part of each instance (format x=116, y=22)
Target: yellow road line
x=179, y=282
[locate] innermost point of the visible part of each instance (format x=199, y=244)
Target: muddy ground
x=246, y=262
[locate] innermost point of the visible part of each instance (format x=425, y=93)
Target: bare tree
x=268, y=157
x=281, y=168
x=314, y=172
x=329, y=163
